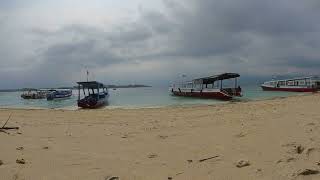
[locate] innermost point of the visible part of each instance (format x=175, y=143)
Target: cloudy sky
x=52, y=42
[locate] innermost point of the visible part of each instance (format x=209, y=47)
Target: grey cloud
x=248, y=36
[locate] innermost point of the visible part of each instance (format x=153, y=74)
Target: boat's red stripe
x=210, y=95
x=289, y=89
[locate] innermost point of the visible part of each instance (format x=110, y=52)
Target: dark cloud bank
x=200, y=37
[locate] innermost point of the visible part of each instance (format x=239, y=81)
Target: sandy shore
x=279, y=138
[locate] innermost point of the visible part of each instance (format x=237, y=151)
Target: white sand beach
x=276, y=139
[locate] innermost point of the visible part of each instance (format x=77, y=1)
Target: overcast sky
x=52, y=42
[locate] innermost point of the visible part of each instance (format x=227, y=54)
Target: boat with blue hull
x=56, y=94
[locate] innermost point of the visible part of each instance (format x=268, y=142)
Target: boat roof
x=213, y=78
x=91, y=84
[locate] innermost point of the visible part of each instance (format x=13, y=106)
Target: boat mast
x=87, y=75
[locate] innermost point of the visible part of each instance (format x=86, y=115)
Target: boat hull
x=206, y=93
x=291, y=89
x=92, y=104
x=50, y=98
x=33, y=96
x=59, y=94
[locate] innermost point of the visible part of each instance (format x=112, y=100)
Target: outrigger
x=95, y=94
x=209, y=87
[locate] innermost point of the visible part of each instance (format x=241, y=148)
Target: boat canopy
x=212, y=79
x=91, y=84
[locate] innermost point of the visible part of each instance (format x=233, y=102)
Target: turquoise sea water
x=134, y=98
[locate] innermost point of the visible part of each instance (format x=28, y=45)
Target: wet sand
x=275, y=139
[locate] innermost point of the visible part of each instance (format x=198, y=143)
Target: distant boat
x=114, y=88
x=34, y=94
x=208, y=87
x=95, y=94
x=302, y=84
x=55, y=94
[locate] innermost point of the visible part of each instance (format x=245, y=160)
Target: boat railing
x=232, y=91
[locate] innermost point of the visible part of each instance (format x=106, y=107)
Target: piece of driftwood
x=7, y=128
x=201, y=160
x=3, y=128
x=6, y=121
x=4, y=131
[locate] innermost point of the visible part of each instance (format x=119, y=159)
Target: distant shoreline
x=75, y=87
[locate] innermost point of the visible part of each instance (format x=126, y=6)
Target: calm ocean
x=134, y=98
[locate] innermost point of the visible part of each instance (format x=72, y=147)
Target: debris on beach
x=21, y=161
x=189, y=160
x=242, y=163
x=294, y=148
x=205, y=159
x=124, y=136
x=240, y=135
x=299, y=149
x=19, y=148
x=152, y=156
x=1, y=162
x=306, y=172
x=4, y=128
x=112, y=178
x=46, y=147
x=163, y=136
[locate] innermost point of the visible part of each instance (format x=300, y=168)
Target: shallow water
x=134, y=98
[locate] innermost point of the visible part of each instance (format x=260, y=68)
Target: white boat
x=34, y=94
x=301, y=84
x=209, y=87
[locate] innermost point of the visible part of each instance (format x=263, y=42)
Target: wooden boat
x=55, y=94
x=303, y=84
x=208, y=87
x=34, y=94
x=95, y=94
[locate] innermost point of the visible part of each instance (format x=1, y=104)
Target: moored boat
x=95, y=94
x=302, y=84
x=211, y=87
x=34, y=94
x=55, y=94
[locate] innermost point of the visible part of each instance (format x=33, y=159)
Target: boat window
x=290, y=83
x=271, y=83
x=308, y=83
x=282, y=83
x=301, y=82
